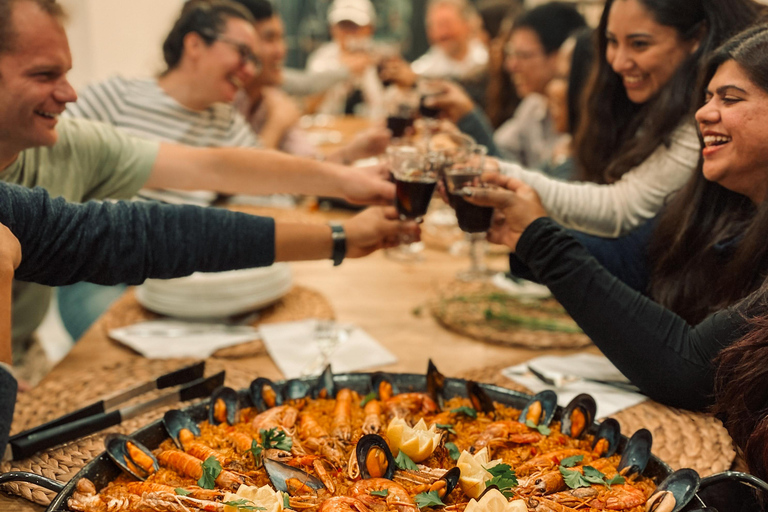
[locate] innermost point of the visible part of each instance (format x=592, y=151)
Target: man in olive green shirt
x=82, y=160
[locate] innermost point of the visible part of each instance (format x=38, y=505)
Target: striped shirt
x=140, y=107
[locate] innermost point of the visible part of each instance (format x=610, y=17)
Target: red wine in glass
x=398, y=124
x=426, y=111
x=472, y=218
x=412, y=195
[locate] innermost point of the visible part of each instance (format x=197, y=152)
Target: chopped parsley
x=503, y=478
x=211, y=471
x=382, y=493
x=569, y=462
x=428, y=499
x=466, y=411
x=256, y=450
x=447, y=427
x=243, y=505
x=574, y=479
x=453, y=450
x=275, y=438
x=404, y=462
x=367, y=398
x=182, y=492
x=286, y=501
x=543, y=429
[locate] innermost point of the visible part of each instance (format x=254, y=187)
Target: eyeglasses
x=245, y=52
x=510, y=51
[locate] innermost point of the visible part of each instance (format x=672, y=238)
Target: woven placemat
x=298, y=304
x=483, y=312
x=56, y=397
x=682, y=439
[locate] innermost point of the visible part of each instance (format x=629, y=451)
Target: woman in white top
x=637, y=141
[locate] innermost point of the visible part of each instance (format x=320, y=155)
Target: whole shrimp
x=503, y=432
x=192, y=467
x=397, y=496
x=549, y=460
x=341, y=427
x=372, y=422
x=318, y=440
x=282, y=417
x=85, y=499
x=406, y=405
x=617, y=497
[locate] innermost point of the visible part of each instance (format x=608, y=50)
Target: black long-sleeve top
x=125, y=242
x=668, y=359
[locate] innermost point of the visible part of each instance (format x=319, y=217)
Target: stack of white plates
x=216, y=295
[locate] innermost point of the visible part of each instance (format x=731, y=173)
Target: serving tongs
x=98, y=416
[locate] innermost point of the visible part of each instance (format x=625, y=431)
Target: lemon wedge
x=417, y=442
x=494, y=501
x=265, y=497
x=473, y=472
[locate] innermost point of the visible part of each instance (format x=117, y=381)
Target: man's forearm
x=243, y=171
x=295, y=242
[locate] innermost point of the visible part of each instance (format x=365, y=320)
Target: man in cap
x=352, y=26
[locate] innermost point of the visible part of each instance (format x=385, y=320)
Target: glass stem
x=477, y=252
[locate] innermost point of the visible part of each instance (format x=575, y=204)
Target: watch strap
x=339, y=238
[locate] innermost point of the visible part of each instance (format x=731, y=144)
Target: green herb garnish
x=275, y=438
x=453, y=451
x=404, y=462
x=573, y=478
x=543, y=429
x=256, y=450
x=367, y=398
x=503, y=478
x=383, y=493
x=446, y=427
x=466, y=411
x=428, y=499
x=593, y=476
x=569, y=462
x=618, y=479
x=182, y=492
x=211, y=471
x=286, y=501
x=243, y=505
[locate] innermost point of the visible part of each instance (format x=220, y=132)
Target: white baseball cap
x=359, y=12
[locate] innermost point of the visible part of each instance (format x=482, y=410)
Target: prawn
x=502, y=432
x=193, y=468
x=341, y=427
x=372, y=422
x=343, y=504
x=397, y=496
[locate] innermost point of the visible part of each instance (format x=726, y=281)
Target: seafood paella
x=316, y=448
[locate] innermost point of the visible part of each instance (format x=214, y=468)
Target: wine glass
x=415, y=180
x=401, y=106
x=474, y=220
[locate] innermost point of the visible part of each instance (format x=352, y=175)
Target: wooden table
x=385, y=297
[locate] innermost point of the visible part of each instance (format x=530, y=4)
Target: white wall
x=108, y=37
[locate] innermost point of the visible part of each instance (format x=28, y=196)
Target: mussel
x=435, y=384
x=675, y=492
x=479, y=398
x=265, y=394
x=607, y=438
x=296, y=389
x=374, y=457
x=540, y=408
x=131, y=456
x=637, y=453
x=382, y=386
x=324, y=387
x=288, y=479
x=180, y=426
x=578, y=415
x=451, y=479
x=223, y=406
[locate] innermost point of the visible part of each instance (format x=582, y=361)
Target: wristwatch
x=339, y=238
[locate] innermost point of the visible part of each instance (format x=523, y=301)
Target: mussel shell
x=279, y=473
x=175, y=421
x=588, y=407
x=363, y=448
x=377, y=379
x=324, y=387
x=117, y=450
x=610, y=430
x=451, y=478
x=548, y=399
x=257, y=397
x=296, y=389
x=683, y=484
x=231, y=400
x=435, y=384
x=479, y=398
x=637, y=453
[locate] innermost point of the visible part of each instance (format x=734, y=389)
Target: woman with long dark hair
x=636, y=141
x=673, y=356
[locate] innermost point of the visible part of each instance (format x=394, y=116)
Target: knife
x=25, y=446
x=174, y=378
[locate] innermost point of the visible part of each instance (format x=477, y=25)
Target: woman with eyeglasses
x=636, y=142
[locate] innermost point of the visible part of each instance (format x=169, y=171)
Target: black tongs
x=95, y=417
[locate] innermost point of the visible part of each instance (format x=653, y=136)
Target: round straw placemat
x=682, y=439
x=483, y=312
x=299, y=303
x=53, y=398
